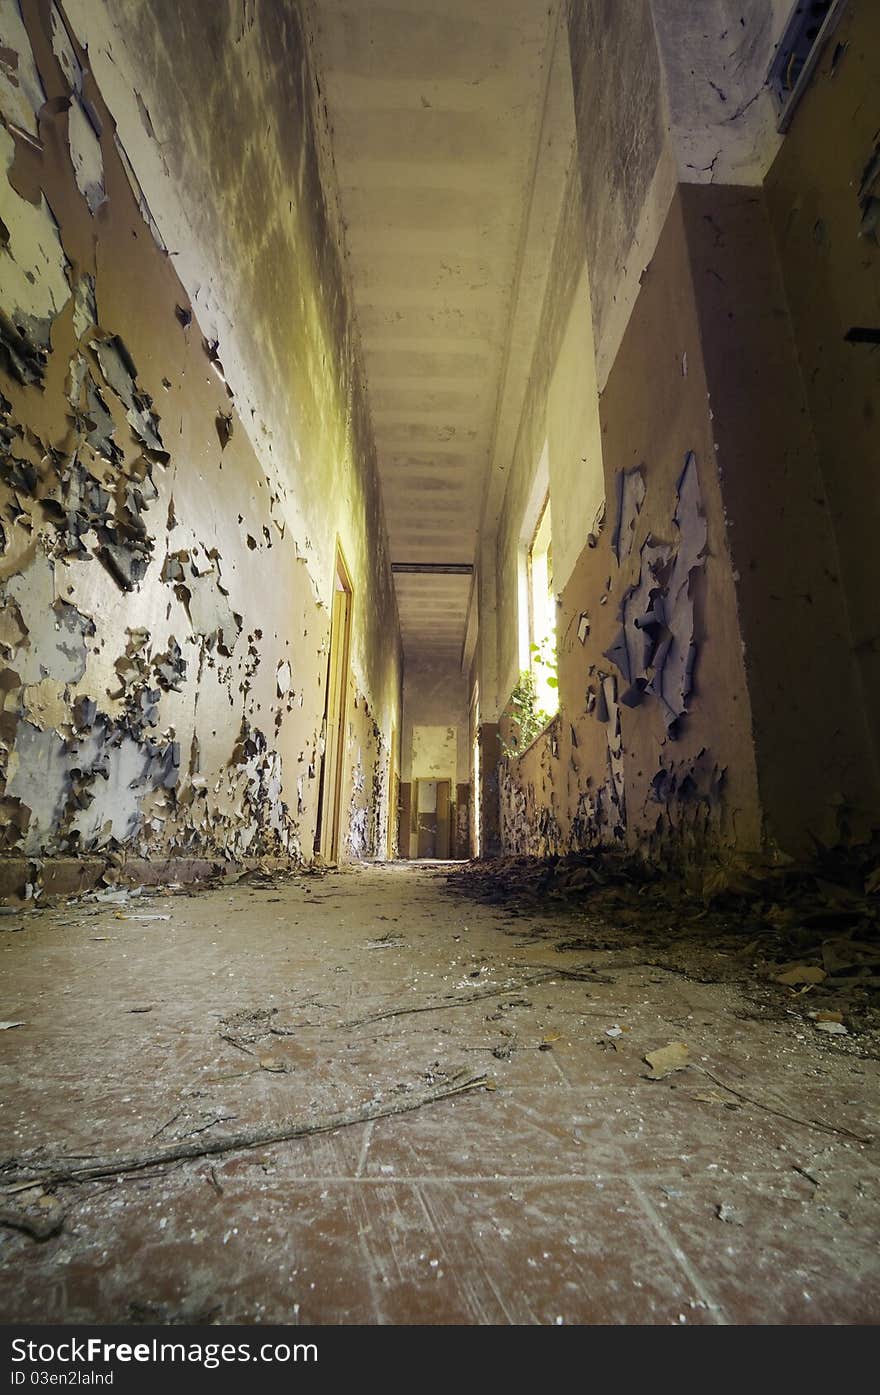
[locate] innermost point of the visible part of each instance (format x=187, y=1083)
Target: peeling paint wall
x=652, y=748
x=184, y=435
x=716, y=632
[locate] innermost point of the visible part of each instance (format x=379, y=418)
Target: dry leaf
x=801, y=973
x=272, y=1063
x=836, y=1029
x=667, y=1059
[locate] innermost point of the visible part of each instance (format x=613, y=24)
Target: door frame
x=393, y=798
x=327, y=833
x=437, y=781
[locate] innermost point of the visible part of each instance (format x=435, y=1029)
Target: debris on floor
x=666, y=1059
x=812, y=929
x=268, y=1132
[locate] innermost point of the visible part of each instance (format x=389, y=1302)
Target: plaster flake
x=38, y=774
x=56, y=631
x=209, y=610
x=85, y=153
x=33, y=274
x=85, y=311
x=21, y=88
x=630, y=497
x=45, y=704
x=64, y=51
x=655, y=649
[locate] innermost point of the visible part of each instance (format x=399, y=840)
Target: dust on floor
x=500, y=1152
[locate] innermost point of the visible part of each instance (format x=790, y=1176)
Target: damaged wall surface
x=583, y=261
x=167, y=527
x=623, y=763
x=704, y=646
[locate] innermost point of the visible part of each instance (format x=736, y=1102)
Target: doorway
x=432, y=804
x=327, y=833
x=476, y=777
x=391, y=836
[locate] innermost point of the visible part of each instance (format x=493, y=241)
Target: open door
x=327, y=833
x=476, y=775
x=432, y=803
x=444, y=818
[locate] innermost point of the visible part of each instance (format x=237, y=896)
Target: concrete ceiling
x=435, y=108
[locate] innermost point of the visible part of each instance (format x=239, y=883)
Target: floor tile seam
x=715, y=1309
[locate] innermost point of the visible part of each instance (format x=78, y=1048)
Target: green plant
x=544, y=655
x=526, y=718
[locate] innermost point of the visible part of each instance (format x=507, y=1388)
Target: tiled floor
x=576, y=1191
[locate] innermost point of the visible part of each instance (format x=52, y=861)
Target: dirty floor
x=739, y=1188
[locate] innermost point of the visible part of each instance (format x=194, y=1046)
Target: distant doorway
x=327, y=833
x=391, y=836
x=432, y=806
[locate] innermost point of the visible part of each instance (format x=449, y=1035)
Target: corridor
x=567, y=1188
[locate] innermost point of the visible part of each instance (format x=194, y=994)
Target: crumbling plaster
x=652, y=84
x=710, y=363
x=653, y=745
x=297, y=376
x=164, y=619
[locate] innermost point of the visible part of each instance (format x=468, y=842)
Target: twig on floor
x=781, y=1113
x=578, y=975
x=166, y=1125
x=55, y=1173
x=19, y=1187
x=203, y=1128
x=544, y=976
x=804, y=1173
x=445, y=1003
x=229, y=1075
